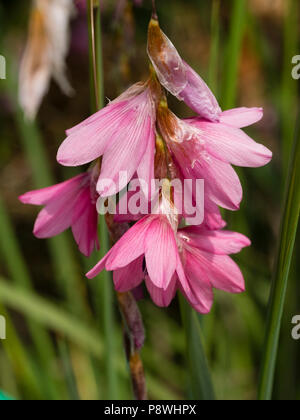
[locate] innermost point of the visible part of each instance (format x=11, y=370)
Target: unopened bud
x=167, y=62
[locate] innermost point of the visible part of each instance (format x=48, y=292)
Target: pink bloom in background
x=193, y=260
x=69, y=204
x=206, y=150
x=123, y=133
x=178, y=77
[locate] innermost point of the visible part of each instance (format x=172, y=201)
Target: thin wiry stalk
x=104, y=287
x=94, y=58
x=154, y=11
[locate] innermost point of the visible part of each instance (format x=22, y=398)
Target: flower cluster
x=139, y=136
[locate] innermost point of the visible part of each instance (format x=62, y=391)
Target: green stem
x=281, y=274
x=200, y=382
x=215, y=44
x=233, y=51
x=104, y=280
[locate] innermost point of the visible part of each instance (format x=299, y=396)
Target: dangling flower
x=206, y=150
x=193, y=260
x=178, y=77
x=123, y=133
x=152, y=238
x=206, y=263
x=69, y=204
x=46, y=52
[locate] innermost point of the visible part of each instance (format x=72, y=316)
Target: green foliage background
x=64, y=332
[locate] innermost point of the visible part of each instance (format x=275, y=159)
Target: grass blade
x=199, y=375
x=17, y=268
x=80, y=333
x=289, y=86
x=281, y=273
x=233, y=51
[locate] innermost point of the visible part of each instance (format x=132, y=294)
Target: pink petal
x=242, y=117
x=215, y=242
x=125, y=156
x=57, y=215
x=98, y=267
x=161, y=253
x=145, y=170
x=200, y=294
x=130, y=246
x=213, y=219
x=45, y=195
x=223, y=272
x=232, y=145
x=161, y=297
x=129, y=277
x=222, y=184
x=183, y=282
x=199, y=97
x=89, y=140
x=85, y=223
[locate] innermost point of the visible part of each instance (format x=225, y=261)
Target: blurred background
x=64, y=333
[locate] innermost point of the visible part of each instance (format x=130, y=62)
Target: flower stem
x=134, y=332
x=94, y=58
x=215, y=44
x=134, y=337
x=104, y=286
x=154, y=12
x=281, y=274
x=233, y=52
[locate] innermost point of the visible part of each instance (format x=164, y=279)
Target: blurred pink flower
x=206, y=150
x=45, y=53
x=69, y=204
x=178, y=77
x=123, y=133
x=193, y=260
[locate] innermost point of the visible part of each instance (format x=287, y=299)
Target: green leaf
x=49, y=315
x=200, y=382
x=281, y=274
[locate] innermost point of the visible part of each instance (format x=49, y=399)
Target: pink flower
x=69, y=204
x=207, y=265
x=193, y=260
x=205, y=150
x=126, y=213
x=123, y=133
x=178, y=77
